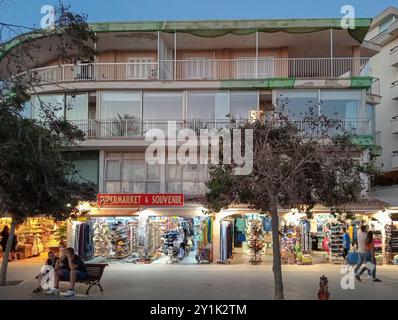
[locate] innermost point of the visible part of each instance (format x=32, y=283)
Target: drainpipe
x=175, y=54
x=331, y=53
x=256, y=64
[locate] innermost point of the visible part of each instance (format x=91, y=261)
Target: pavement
x=238, y=281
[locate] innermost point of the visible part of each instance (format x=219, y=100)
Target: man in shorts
x=71, y=268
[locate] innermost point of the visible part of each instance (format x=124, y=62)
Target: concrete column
x=101, y=166
x=356, y=63
x=216, y=238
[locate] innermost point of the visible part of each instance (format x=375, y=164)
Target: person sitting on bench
x=51, y=261
x=71, y=268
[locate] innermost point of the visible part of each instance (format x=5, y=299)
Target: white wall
x=388, y=108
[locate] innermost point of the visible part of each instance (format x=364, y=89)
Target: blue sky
x=27, y=12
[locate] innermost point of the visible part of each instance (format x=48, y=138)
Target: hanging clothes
x=237, y=242
x=69, y=234
x=209, y=230
x=226, y=243
x=240, y=224
x=81, y=239
x=306, y=242
x=267, y=227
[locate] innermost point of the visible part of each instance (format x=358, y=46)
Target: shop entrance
x=34, y=237
x=152, y=238
x=245, y=238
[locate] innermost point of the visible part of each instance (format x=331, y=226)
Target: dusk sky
x=27, y=12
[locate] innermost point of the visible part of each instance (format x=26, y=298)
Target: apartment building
x=200, y=74
x=384, y=65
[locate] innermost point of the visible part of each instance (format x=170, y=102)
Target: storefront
x=36, y=236
x=137, y=230
x=171, y=231
x=244, y=236
x=319, y=239
x=241, y=235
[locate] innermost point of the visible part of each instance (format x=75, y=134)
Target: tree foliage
x=296, y=164
x=37, y=175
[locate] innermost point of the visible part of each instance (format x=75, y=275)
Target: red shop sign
x=140, y=199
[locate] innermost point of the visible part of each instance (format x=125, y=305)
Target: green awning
x=216, y=28
x=211, y=28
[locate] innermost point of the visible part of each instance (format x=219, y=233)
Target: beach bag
x=352, y=257
x=307, y=259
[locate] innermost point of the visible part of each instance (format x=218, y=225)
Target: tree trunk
x=276, y=261
x=3, y=275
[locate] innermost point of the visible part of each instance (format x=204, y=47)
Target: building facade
x=384, y=33
x=200, y=74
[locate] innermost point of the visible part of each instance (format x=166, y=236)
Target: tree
x=296, y=164
x=36, y=162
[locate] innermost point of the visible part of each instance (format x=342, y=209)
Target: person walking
x=346, y=242
x=370, y=259
x=361, y=250
x=5, y=234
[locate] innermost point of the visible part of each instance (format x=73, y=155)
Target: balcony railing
x=394, y=159
x=137, y=129
x=304, y=68
x=374, y=88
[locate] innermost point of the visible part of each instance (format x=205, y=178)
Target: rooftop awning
x=211, y=28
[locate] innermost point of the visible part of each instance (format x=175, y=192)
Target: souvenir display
x=255, y=240
x=120, y=241
x=35, y=236
x=102, y=239
x=203, y=230
x=335, y=243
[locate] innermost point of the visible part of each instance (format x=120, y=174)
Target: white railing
x=303, y=68
x=97, y=72
x=137, y=128
x=269, y=68
x=333, y=127
x=374, y=88
x=394, y=159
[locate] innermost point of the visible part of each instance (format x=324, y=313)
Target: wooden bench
x=94, y=275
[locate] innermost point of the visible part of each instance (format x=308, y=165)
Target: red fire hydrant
x=323, y=293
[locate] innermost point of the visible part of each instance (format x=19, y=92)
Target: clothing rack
x=226, y=241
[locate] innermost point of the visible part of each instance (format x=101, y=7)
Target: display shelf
x=335, y=243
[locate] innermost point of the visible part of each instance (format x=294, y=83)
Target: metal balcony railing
x=304, y=68
x=132, y=128
x=375, y=87
x=97, y=72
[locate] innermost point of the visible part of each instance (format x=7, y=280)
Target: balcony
x=394, y=90
x=394, y=126
x=394, y=57
x=129, y=128
x=206, y=69
x=394, y=159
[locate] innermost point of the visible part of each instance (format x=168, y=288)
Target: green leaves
x=35, y=160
